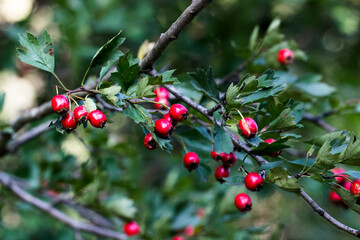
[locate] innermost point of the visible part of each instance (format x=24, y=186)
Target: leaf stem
x=61, y=83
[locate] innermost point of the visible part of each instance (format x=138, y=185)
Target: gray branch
x=319, y=121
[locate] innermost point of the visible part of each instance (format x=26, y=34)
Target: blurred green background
x=110, y=171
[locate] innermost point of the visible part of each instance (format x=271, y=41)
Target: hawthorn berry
x=189, y=231
x=81, y=114
x=97, y=118
x=340, y=178
x=150, y=142
x=274, y=154
x=285, y=56
x=131, y=228
x=229, y=160
x=216, y=156
x=334, y=197
x=164, y=101
x=243, y=202
x=60, y=104
x=178, y=112
x=253, y=181
x=191, y=160
x=222, y=172
x=163, y=128
x=248, y=127
x=161, y=92
x=355, y=187
x=69, y=122
x=178, y=238
x=168, y=117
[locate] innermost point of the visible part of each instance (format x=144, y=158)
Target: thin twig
x=319, y=121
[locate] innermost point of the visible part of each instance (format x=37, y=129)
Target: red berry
x=253, y=181
x=131, y=228
x=248, y=127
x=191, y=160
x=333, y=197
x=222, y=172
x=178, y=238
x=189, y=231
x=243, y=202
x=347, y=185
x=81, y=114
x=164, y=101
x=200, y=213
x=60, y=104
x=178, y=112
x=217, y=156
x=163, y=128
x=339, y=179
x=161, y=92
x=285, y=56
x=168, y=117
x=150, y=142
x=355, y=187
x=97, y=119
x=69, y=122
x=229, y=160
x=274, y=154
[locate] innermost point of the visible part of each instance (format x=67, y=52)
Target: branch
x=172, y=33
x=319, y=121
x=10, y=184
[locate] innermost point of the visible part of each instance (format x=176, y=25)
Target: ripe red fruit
x=222, y=172
x=339, y=179
x=243, y=202
x=248, y=127
x=161, y=92
x=285, y=56
x=131, y=228
x=229, y=160
x=178, y=112
x=69, y=122
x=200, y=213
x=97, y=118
x=333, y=197
x=60, y=104
x=81, y=114
x=164, y=101
x=149, y=142
x=274, y=154
x=168, y=117
x=163, y=128
x=355, y=187
x=253, y=181
x=189, y=231
x=216, y=156
x=178, y=238
x=347, y=185
x=191, y=160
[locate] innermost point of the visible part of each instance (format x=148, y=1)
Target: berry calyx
x=253, y=181
x=97, y=118
x=178, y=112
x=285, y=56
x=340, y=178
x=168, y=117
x=150, y=142
x=222, y=172
x=355, y=187
x=161, y=92
x=248, y=127
x=163, y=128
x=243, y=202
x=229, y=160
x=69, y=122
x=178, y=238
x=191, y=161
x=60, y=104
x=81, y=114
x=164, y=101
x=274, y=154
x=217, y=156
x=131, y=228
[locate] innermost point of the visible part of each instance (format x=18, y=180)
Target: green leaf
x=222, y=141
x=203, y=171
x=205, y=83
x=234, y=180
x=39, y=51
x=127, y=71
x=324, y=157
x=2, y=100
x=164, y=78
x=253, y=38
x=143, y=89
x=352, y=173
x=349, y=199
x=111, y=92
x=281, y=178
x=319, y=141
x=285, y=121
x=138, y=113
x=90, y=104
x=121, y=205
x=351, y=154
x=265, y=148
x=310, y=84
x=58, y=125
x=270, y=165
x=231, y=95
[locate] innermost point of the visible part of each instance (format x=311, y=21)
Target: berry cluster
x=342, y=181
x=80, y=115
x=162, y=96
x=228, y=160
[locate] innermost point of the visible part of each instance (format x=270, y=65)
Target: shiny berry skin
x=229, y=160
x=161, y=92
x=274, y=154
x=191, y=160
x=150, y=142
x=285, y=56
x=222, y=172
x=253, y=181
x=81, y=114
x=164, y=101
x=168, y=117
x=97, y=118
x=243, y=202
x=355, y=187
x=131, y=228
x=69, y=122
x=347, y=185
x=189, y=231
x=178, y=112
x=248, y=127
x=178, y=238
x=60, y=104
x=339, y=179
x=163, y=128
x=216, y=156
x=333, y=197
